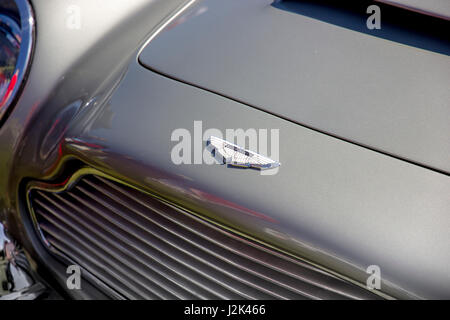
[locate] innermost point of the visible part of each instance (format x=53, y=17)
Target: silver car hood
x=371, y=88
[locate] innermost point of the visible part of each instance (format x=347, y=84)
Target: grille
x=143, y=248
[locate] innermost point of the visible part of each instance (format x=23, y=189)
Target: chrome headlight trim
x=27, y=25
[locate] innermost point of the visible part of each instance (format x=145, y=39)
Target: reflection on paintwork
x=16, y=280
x=59, y=127
x=205, y=196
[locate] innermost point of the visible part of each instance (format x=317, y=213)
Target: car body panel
x=335, y=204
x=67, y=65
x=385, y=89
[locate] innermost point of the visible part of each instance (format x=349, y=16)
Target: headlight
x=16, y=31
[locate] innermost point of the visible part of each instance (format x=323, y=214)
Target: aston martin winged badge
x=229, y=153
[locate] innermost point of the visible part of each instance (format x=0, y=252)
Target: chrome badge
x=228, y=153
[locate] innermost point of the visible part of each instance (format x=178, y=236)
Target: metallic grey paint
x=349, y=83
x=335, y=204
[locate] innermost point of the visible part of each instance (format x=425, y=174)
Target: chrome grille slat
x=132, y=279
x=225, y=257
x=157, y=244
x=140, y=267
x=110, y=281
x=200, y=263
x=144, y=248
x=86, y=254
x=176, y=242
x=160, y=258
x=311, y=277
x=84, y=261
